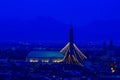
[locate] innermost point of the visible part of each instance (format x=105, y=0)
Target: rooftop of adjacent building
x=45, y=54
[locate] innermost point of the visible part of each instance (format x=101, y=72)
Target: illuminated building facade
x=44, y=57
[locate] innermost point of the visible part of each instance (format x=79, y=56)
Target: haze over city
x=49, y=20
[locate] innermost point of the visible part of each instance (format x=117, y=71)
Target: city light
x=112, y=69
x=33, y=60
x=57, y=61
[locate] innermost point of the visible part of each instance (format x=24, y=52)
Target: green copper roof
x=45, y=54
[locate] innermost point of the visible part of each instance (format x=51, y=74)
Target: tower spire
x=71, y=53
x=71, y=37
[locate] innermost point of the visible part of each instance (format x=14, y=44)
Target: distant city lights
x=112, y=69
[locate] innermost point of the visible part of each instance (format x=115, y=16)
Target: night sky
x=48, y=21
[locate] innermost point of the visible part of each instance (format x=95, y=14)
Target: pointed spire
x=71, y=37
x=72, y=55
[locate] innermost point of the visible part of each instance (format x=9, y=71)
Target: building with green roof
x=44, y=56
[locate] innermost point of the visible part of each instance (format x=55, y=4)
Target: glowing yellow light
x=112, y=69
x=57, y=61
x=79, y=51
x=65, y=49
x=33, y=60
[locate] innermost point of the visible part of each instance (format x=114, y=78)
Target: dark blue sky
x=49, y=20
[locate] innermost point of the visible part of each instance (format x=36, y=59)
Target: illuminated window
x=57, y=61
x=33, y=60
